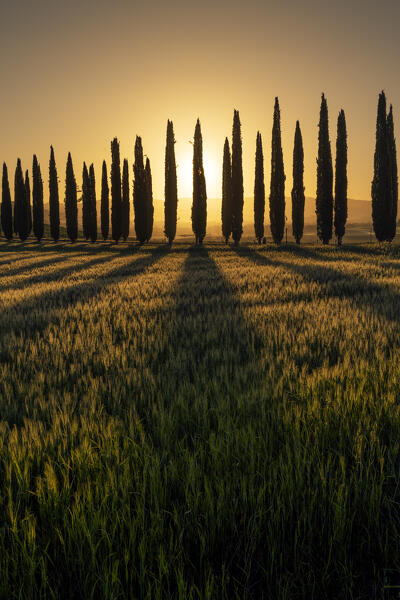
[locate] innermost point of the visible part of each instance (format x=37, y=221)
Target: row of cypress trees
x=331, y=210
x=21, y=222
x=232, y=183
x=384, y=188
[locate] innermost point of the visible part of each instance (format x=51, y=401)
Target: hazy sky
x=77, y=73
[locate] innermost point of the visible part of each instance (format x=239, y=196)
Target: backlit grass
x=198, y=422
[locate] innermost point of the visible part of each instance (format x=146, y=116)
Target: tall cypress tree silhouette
x=324, y=199
x=54, y=201
x=393, y=174
x=37, y=200
x=341, y=178
x=6, y=206
x=116, y=203
x=86, y=225
x=237, y=180
x=71, y=201
x=149, y=201
x=277, y=193
x=226, y=210
x=105, y=203
x=140, y=193
x=199, y=205
x=384, y=185
x=92, y=205
x=125, y=200
x=171, y=190
x=20, y=213
x=259, y=191
x=381, y=188
x=28, y=207
x=298, y=199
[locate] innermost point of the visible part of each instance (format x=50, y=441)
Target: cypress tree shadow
x=53, y=301
x=36, y=265
x=59, y=273
x=333, y=253
x=379, y=299
x=203, y=373
x=85, y=247
x=193, y=332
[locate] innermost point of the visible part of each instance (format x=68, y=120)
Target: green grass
x=198, y=423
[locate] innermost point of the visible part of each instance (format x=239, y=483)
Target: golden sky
x=75, y=74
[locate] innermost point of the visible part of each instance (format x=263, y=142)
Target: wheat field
x=191, y=423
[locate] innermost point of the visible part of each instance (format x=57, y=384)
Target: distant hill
x=359, y=217
x=359, y=211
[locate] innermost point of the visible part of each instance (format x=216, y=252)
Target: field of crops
x=189, y=423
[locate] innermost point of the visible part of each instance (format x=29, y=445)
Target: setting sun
x=185, y=173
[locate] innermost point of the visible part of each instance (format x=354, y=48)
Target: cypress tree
x=20, y=212
x=237, y=180
x=71, y=201
x=28, y=208
x=6, y=206
x=105, y=203
x=54, y=201
x=298, y=199
x=381, y=188
x=116, y=202
x=277, y=193
x=149, y=201
x=393, y=173
x=171, y=191
x=324, y=199
x=125, y=200
x=86, y=210
x=92, y=205
x=341, y=178
x=199, y=206
x=226, y=212
x=140, y=193
x=259, y=191
x=37, y=197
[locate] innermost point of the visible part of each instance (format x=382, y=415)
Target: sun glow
x=185, y=174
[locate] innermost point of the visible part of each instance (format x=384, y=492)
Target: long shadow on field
x=330, y=253
x=86, y=262
x=46, y=262
x=42, y=310
x=209, y=351
x=210, y=385
x=351, y=254
x=378, y=298
x=66, y=247
x=21, y=259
